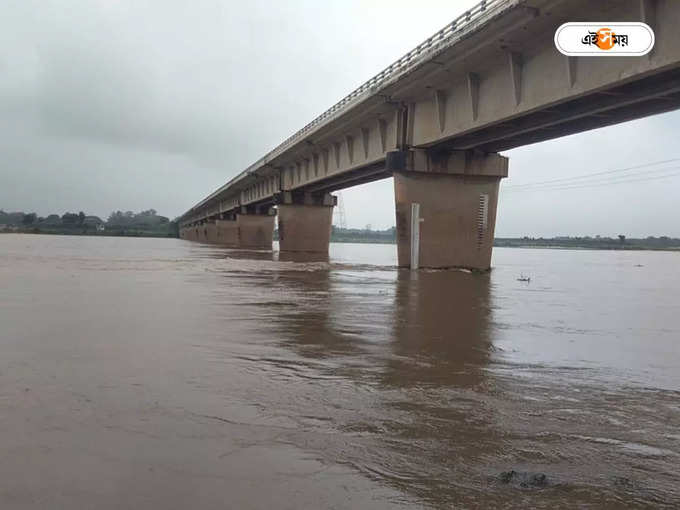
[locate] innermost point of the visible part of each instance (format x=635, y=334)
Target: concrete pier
x=457, y=197
x=228, y=233
x=305, y=228
x=255, y=231
x=210, y=232
x=247, y=231
x=305, y=222
x=198, y=232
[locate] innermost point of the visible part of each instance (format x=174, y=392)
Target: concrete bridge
x=436, y=119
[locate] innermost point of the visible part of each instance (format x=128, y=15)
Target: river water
x=159, y=373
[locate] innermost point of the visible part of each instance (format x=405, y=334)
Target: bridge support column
x=305, y=222
x=255, y=231
x=188, y=233
x=193, y=233
x=210, y=232
x=227, y=232
x=197, y=232
x=200, y=232
x=457, y=194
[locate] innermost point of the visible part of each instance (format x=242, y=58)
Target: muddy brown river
x=164, y=374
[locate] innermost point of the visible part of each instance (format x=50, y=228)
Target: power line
x=567, y=180
x=600, y=181
x=592, y=180
x=569, y=186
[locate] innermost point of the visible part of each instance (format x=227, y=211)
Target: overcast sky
x=137, y=104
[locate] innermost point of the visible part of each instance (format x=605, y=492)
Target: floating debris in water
x=523, y=479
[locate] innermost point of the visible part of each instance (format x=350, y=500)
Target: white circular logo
x=604, y=39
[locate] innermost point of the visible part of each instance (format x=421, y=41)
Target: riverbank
x=648, y=244
x=92, y=233
x=592, y=243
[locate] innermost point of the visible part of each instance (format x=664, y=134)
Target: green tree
x=69, y=218
x=29, y=219
x=52, y=219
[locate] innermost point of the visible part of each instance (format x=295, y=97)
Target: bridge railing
x=452, y=32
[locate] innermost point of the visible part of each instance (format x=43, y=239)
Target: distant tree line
x=620, y=242
x=149, y=223
x=365, y=235
x=145, y=223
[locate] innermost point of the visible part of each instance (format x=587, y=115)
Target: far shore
x=648, y=244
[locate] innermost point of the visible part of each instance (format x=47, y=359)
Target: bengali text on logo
x=604, y=39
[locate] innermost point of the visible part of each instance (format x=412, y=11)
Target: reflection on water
x=442, y=328
x=210, y=373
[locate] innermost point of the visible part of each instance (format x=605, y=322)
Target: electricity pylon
x=339, y=219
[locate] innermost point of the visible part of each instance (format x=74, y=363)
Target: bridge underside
x=636, y=99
